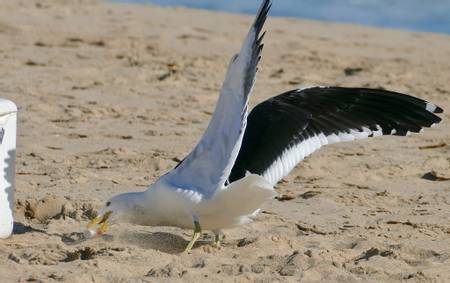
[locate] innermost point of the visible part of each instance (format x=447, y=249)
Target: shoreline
x=283, y=15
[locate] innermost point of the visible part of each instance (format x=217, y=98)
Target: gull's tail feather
x=233, y=206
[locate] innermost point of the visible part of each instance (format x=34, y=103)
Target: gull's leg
x=218, y=236
x=195, y=237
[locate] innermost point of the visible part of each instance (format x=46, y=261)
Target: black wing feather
x=286, y=120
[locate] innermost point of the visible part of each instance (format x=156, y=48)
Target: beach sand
x=112, y=96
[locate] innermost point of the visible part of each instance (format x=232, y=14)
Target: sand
x=112, y=96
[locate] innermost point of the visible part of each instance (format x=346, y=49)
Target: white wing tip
x=430, y=107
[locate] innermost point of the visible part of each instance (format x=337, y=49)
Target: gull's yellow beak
x=101, y=221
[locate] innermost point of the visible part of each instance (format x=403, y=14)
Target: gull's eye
x=108, y=203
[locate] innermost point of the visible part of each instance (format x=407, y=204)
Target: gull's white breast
x=230, y=206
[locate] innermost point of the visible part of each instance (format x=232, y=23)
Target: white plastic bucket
x=8, y=121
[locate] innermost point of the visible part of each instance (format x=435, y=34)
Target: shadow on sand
x=161, y=241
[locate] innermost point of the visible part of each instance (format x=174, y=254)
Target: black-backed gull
x=232, y=170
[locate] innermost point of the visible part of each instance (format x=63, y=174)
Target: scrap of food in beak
x=99, y=225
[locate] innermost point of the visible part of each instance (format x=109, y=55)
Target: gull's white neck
x=157, y=206
x=132, y=207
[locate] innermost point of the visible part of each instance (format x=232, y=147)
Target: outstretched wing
x=285, y=129
x=208, y=166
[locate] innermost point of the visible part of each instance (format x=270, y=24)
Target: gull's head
x=120, y=208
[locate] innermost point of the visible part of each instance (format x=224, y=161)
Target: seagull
x=241, y=156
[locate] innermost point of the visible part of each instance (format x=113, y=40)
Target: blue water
x=416, y=15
